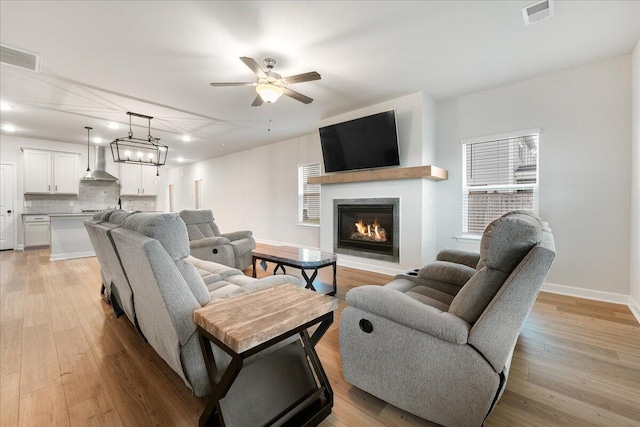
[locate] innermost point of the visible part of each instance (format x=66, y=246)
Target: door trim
x=17, y=206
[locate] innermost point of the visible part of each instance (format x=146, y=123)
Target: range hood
x=99, y=173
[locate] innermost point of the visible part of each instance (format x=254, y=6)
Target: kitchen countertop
x=71, y=214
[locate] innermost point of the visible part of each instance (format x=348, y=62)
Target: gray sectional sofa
x=438, y=342
x=147, y=270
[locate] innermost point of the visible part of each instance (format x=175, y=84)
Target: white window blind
x=498, y=176
x=308, y=194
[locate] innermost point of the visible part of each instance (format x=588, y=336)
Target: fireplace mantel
x=430, y=172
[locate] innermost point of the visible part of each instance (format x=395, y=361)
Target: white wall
x=585, y=172
x=415, y=118
x=635, y=182
x=255, y=189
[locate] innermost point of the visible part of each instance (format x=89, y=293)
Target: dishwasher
x=36, y=231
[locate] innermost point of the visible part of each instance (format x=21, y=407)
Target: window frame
x=466, y=189
x=301, y=194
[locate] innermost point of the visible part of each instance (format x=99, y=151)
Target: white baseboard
x=73, y=255
x=585, y=293
x=20, y=248
x=276, y=243
x=634, y=307
x=591, y=294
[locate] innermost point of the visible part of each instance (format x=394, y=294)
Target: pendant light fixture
x=148, y=152
x=89, y=175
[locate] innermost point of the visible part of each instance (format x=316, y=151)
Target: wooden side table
x=284, y=387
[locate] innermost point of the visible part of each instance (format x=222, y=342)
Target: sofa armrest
x=467, y=258
x=447, y=272
x=208, y=242
x=237, y=235
x=402, y=309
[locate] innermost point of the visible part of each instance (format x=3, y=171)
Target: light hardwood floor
x=65, y=360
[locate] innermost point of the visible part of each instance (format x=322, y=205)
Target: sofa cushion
x=103, y=215
x=508, y=239
x=168, y=229
x=447, y=272
x=194, y=281
x=505, y=243
x=200, y=223
x=117, y=217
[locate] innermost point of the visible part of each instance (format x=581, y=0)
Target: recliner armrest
x=467, y=258
x=402, y=309
x=237, y=235
x=208, y=242
x=447, y=272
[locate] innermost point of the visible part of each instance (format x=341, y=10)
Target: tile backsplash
x=92, y=195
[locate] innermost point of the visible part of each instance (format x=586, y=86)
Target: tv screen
x=364, y=143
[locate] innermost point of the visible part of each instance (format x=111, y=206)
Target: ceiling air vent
x=19, y=58
x=537, y=11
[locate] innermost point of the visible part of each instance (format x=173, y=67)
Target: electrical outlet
x=70, y=203
x=27, y=204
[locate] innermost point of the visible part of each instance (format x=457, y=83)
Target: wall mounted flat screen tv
x=364, y=143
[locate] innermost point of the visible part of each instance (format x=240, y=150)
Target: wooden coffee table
x=301, y=258
x=287, y=386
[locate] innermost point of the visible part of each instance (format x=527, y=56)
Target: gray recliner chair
x=439, y=344
x=207, y=243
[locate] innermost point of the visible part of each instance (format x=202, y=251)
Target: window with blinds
x=308, y=194
x=498, y=176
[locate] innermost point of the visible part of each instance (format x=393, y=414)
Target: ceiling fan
x=270, y=85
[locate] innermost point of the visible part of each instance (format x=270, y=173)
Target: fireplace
x=367, y=228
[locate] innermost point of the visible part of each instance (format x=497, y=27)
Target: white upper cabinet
x=50, y=172
x=137, y=180
x=65, y=173
x=37, y=171
x=148, y=181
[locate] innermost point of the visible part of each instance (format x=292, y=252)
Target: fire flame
x=372, y=231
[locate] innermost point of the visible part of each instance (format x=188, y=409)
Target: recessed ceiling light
x=112, y=125
x=186, y=138
x=180, y=159
x=97, y=140
x=5, y=107
x=9, y=128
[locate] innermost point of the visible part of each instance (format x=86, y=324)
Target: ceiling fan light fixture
x=269, y=92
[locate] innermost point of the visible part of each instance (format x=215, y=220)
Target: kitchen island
x=69, y=238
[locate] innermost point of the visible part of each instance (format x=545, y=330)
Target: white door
x=65, y=172
x=7, y=212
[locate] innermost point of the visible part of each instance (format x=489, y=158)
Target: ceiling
x=102, y=59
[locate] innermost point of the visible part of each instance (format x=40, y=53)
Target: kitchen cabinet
x=51, y=172
x=137, y=180
x=36, y=231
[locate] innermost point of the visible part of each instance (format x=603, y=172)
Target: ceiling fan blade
x=297, y=96
x=257, y=101
x=299, y=78
x=253, y=65
x=233, y=84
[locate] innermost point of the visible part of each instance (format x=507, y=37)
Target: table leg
x=253, y=261
x=275, y=270
x=212, y=414
x=335, y=282
x=310, y=280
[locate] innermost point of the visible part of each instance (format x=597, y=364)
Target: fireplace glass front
x=367, y=229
